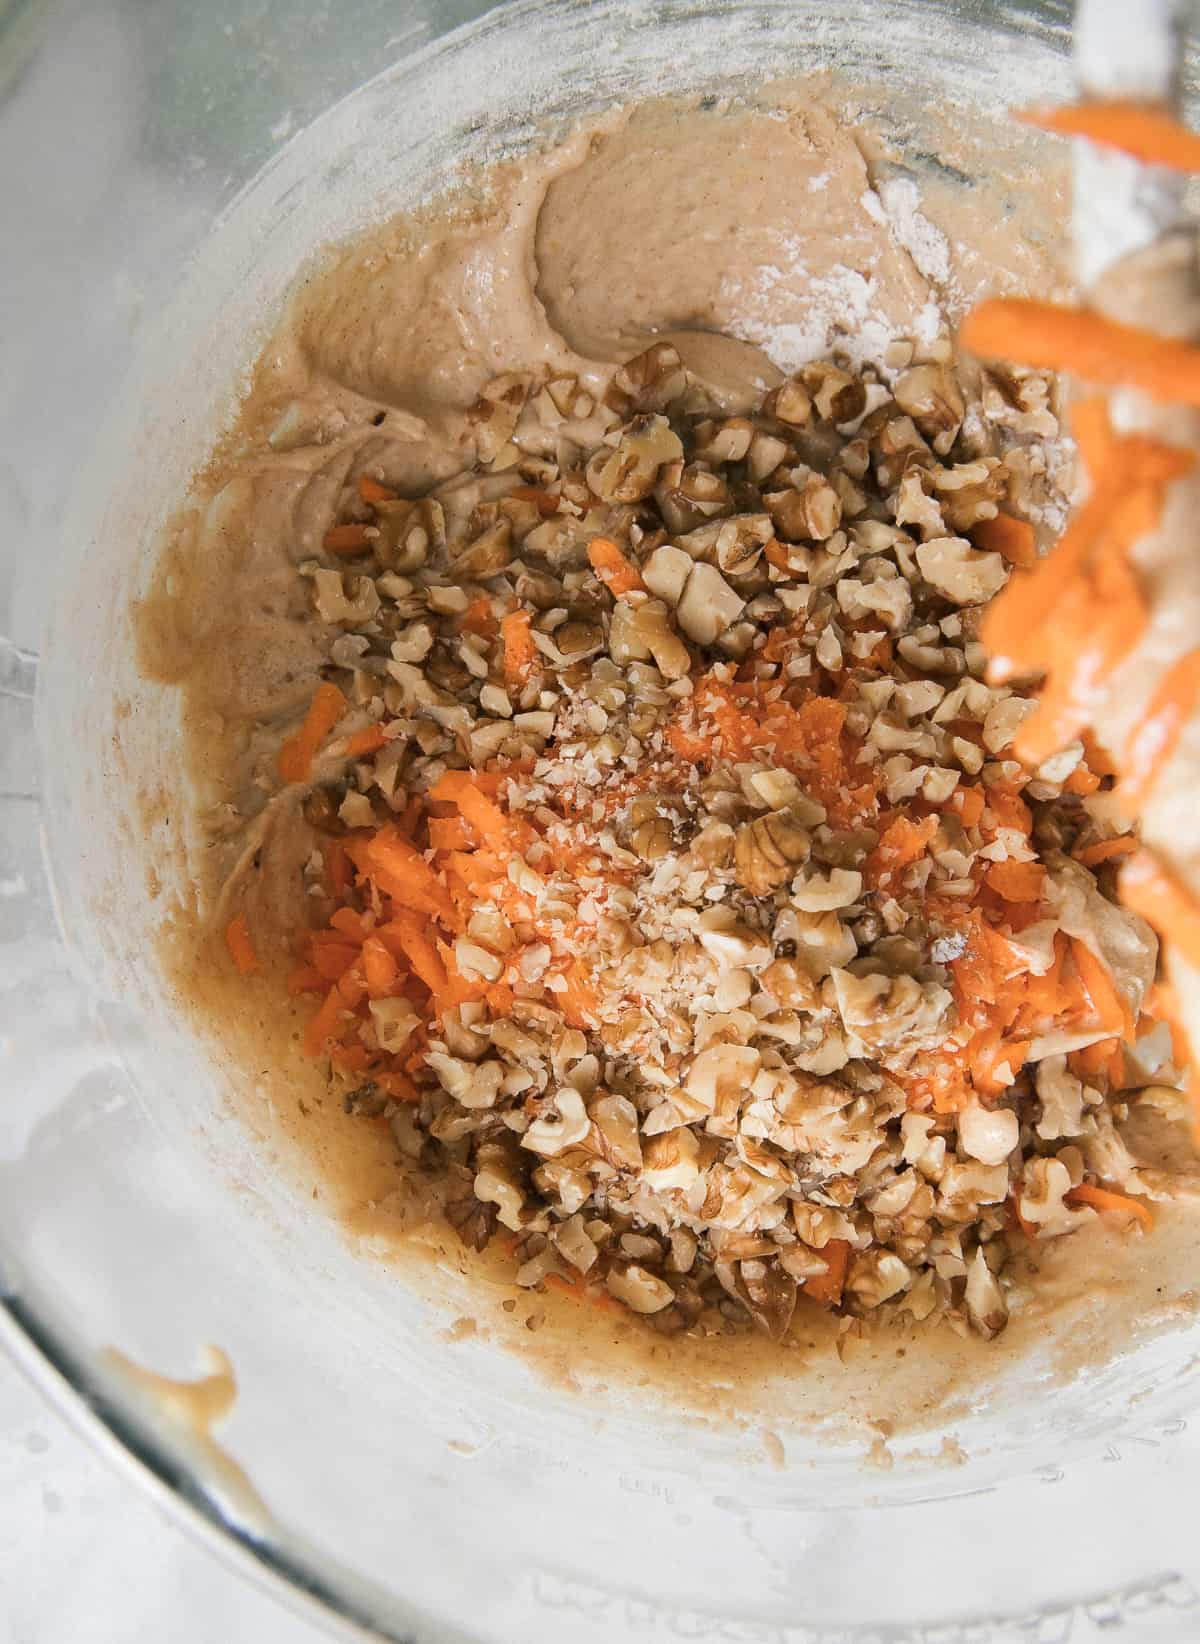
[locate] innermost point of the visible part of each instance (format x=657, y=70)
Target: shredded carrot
x=450, y=833
x=462, y=788
x=241, y=945
x=500, y=1000
x=1081, y=781
x=379, y=967
x=1029, y=1229
x=1043, y=994
x=331, y=960
x=1163, y=1006
x=366, y=741
x=397, y=867
x=520, y=653
x=777, y=556
x=1008, y=536
x=1106, y=850
x=1104, y=1198
x=1091, y=424
x=1151, y=889
x=1096, y=625
x=1105, y=1059
x=968, y=804
x=827, y=1287
x=902, y=843
x=328, y=1023
x=298, y=752
x=545, y=502
x=1156, y=736
x=337, y=873
x=398, y=1086
x=1147, y=131
x=348, y=924
x=347, y=540
x=577, y=1001
x=1017, y=881
x=412, y=936
x=371, y=491
x=1112, y=1010
x=479, y=618
x=1097, y=756
x=616, y=572
x=1055, y=337
x=306, y=979
x=580, y=1291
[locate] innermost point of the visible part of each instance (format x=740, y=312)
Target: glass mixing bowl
x=162, y=167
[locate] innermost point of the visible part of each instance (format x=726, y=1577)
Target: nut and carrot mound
x=682, y=895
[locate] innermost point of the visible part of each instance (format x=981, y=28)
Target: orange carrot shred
x=1150, y=888
x=1147, y=131
x=1055, y=337
x=902, y=843
x=379, y=967
x=611, y=566
x=1091, y=424
x=1098, y=621
x=1104, y=1198
x=325, y=1024
x=398, y=867
x=479, y=618
x=367, y=741
x=520, y=653
x=968, y=803
x=1106, y=850
x=297, y=754
x=305, y=979
x=348, y=924
x=1081, y=781
x=1017, y=881
x=450, y=833
x=371, y=491
x=485, y=816
x=337, y=873
x=545, y=502
x=827, y=1287
x=578, y=999
x=332, y=960
x=1111, y=1008
x=241, y=945
x=1008, y=536
x=347, y=539
x=1029, y=1229
x=1156, y=736
x=413, y=937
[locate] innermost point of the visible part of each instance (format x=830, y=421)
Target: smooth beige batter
x=733, y=229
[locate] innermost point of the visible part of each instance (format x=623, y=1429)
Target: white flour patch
x=897, y=204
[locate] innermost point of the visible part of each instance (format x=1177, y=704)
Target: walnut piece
x=767, y=850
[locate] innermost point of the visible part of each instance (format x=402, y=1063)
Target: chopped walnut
x=692, y=671
x=627, y=472
x=767, y=850
x=640, y=1291
x=966, y=575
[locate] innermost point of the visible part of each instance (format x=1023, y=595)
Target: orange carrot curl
x=1147, y=131
x=1008, y=536
x=1103, y=1198
x=616, y=572
x=1150, y=888
x=241, y=945
x=298, y=752
x=1154, y=739
x=1055, y=337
